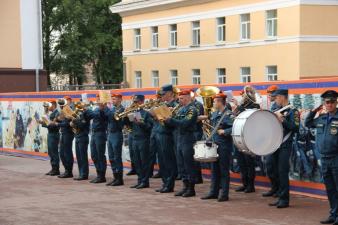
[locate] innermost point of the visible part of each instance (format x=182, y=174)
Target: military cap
x=283, y=92
x=117, y=95
x=330, y=95
x=221, y=95
x=138, y=98
x=67, y=97
x=184, y=92
x=272, y=89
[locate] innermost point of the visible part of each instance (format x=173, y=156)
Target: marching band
x=180, y=133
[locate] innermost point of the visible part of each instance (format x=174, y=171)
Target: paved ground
x=29, y=197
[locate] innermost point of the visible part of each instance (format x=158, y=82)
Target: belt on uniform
x=98, y=130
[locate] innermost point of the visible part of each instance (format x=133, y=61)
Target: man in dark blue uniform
x=271, y=166
x=82, y=125
x=166, y=150
x=141, y=128
x=325, y=120
x=98, y=141
x=185, y=122
x=290, y=121
x=53, y=139
x=115, y=141
x=220, y=170
x=66, y=140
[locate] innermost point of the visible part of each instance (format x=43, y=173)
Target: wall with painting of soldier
x=19, y=130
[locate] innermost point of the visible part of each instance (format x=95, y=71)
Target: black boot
x=243, y=187
x=250, y=187
x=179, y=177
x=329, y=220
x=55, y=172
x=156, y=176
x=66, y=174
x=210, y=196
x=190, y=192
x=113, y=181
x=183, y=190
x=101, y=178
x=118, y=179
x=48, y=173
x=269, y=193
x=131, y=172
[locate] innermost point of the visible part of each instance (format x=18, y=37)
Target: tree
x=296, y=101
x=81, y=33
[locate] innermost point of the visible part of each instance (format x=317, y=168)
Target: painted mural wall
x=19, y=129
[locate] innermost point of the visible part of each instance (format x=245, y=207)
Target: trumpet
x=132, y=108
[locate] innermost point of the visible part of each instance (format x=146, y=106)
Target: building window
x=221, y=76
x=138, y=79
x=271, y=23
x=245, y=27
x=271, y=73
x=245, y=74
x=196, y=40
x=173, y=36
x=154, y=37
x=220, y=29
x=137, y=38
x=196, y=76
x=174, y=77
x=155, y=78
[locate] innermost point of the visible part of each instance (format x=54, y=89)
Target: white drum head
x=262, y=133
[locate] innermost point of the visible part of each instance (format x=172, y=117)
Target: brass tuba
x=207, y=93
x=250, y=96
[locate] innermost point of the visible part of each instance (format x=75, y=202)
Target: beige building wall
x=10, y=34
x=306, y=45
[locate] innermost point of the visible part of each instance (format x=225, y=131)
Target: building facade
x=187, y=42
x=20, y=46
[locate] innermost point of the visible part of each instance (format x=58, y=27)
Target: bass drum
x=257, y=132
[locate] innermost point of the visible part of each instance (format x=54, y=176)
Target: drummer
x=271, y=168
x=220, y=176
x=290, y=121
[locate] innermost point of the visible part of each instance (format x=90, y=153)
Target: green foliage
x=78, y=33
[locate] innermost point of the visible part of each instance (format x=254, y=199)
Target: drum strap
x=218, y=124
x=287, y=137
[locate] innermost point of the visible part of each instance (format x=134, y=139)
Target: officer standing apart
x=271, y=166
x=53, y=139
x=220, y=175
x=165, y=140
x=98, y=140
x=325, y=120
x=185, y=122
x=115, y=140
x=66, y=141
x=290, y=121
x=141, y=128
x=82, y=125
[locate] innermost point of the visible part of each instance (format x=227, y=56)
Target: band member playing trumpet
x=290, y=121
x=185, y=124
x=164, y=138
x=98, y=140
x=66, y=139
x=115, y=140
x=220, y=176
x=141, y=127
x=246, y=162
x=82, y=124
x=52, y=138
x=325, y=119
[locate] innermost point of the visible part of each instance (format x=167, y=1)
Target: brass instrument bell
x=207, y=93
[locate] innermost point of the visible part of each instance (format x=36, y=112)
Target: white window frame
x=221, y=75
x=271, y=24
x=174, y=77
x=196, y=76
x=271, y=76
x=137, y=39
x=196, y=33
x=155, y=78
x=173, y=36
x=245, y=27
x=245, y=77
x=154, y=37
x=138, y=79
x=220, y=30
